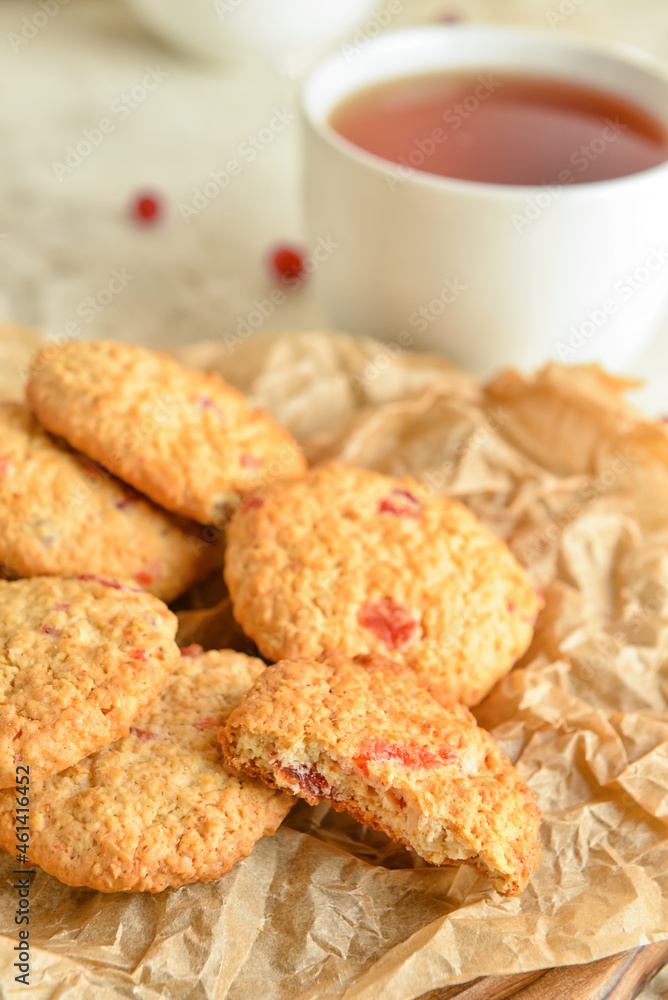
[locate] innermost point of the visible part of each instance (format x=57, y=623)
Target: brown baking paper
x=577, y=482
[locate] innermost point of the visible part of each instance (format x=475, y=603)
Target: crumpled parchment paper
x=577, y=482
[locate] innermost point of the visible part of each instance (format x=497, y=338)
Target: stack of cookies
x=381, y=610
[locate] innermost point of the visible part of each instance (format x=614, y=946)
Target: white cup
x=489, y=274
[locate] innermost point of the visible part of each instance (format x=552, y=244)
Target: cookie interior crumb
x=364, y=735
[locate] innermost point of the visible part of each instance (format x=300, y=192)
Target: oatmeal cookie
x=351, y=560
x=62, y=515
x=158, y=808
x=185, y=438
x=80, y=659
x=365, y=736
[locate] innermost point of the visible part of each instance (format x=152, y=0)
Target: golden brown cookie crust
x=62, y=515
x=159, y=807
x=80, y=659
x=364, y=735
x=350, y=560
x=185, y=438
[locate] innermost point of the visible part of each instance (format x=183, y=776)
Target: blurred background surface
x=98, y=110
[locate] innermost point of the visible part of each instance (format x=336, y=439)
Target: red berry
x=287, y=263
x=193, y=650
x=144, y=734
x=207, y=723
x=389, y=506
x=147, y=208
x=412, y=755
x=129, y=496
x=408, y=495
x=307, y=782
x=114, y=584
x=389, y=622
x=250, y=503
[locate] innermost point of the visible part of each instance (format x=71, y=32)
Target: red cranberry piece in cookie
x=307, y=782
x=250, y=503
x=193, y=650
x=114, y=584
x=205, y=404
x=50, y=630
x=389, y=622
x=407, y=495
x=389, y=506
x=144, y=734
x=130, y=496
x=145, y=577
x=411, y=755
x=402, y=503
x=208, y=722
